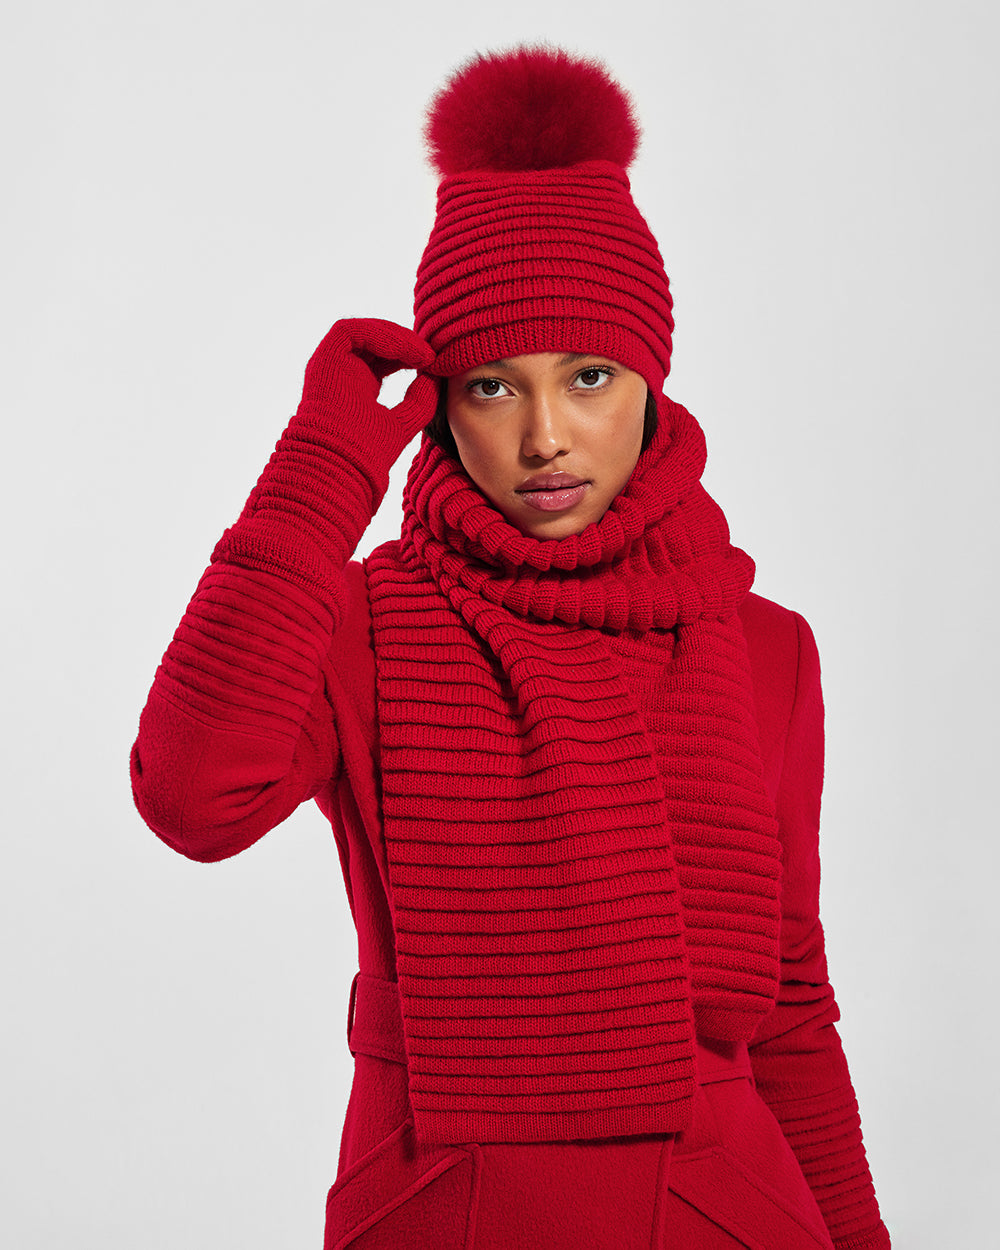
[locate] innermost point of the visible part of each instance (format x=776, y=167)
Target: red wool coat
x=265, y=699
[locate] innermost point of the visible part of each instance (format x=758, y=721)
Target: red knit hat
x=537, y=245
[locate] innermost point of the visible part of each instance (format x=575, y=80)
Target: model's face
x=550, y=439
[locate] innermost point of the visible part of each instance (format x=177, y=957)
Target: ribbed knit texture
x=543, y=965
x=825, y=1133
x=543, y=260
x=249, y=715
x=726, y=860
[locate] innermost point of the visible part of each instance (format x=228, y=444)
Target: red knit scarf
x=552, y=959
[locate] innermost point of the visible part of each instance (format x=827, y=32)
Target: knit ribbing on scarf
x=536, y=819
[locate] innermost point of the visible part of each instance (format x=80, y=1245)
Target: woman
x=573, y=766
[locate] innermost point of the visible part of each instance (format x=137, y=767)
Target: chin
x=555, y=527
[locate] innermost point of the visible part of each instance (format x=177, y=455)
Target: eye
x=594, y=378
x=486, y=388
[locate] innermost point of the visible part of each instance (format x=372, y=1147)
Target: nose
x=545, y=433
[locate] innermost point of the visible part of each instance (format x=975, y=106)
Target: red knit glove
x=344, y=377
x=330, y=468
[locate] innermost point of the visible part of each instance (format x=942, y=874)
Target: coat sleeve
x=237, y=730
x=250, y=705
x=797, y=1058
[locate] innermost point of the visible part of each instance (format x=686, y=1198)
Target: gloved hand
x=344, y=377
x=330, y=468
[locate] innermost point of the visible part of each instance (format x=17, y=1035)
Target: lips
x=552, y=492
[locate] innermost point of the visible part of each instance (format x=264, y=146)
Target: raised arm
x=238, y=729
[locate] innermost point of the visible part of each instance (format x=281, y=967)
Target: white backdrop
x=194, y=192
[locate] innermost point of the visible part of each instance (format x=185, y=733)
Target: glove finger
x=385, y=346
x=419, y=404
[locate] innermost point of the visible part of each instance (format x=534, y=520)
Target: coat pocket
x=739, y=1205
x=402, y=1195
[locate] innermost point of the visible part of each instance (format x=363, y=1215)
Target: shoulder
x=778, y=639
x=784, y=662
x=354, y=630
x=768, y=624
x=350, y=662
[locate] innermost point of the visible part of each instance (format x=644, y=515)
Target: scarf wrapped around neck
x=576, y=885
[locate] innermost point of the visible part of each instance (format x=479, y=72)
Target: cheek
x=473, y=447
x=628, y=444
x=478, y=450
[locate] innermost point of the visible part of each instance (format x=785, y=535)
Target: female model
x=573, y=766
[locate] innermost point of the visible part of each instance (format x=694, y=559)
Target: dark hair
x=650, y=419
x=439, y=431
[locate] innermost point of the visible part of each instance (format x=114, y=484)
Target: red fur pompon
x=530, y=108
